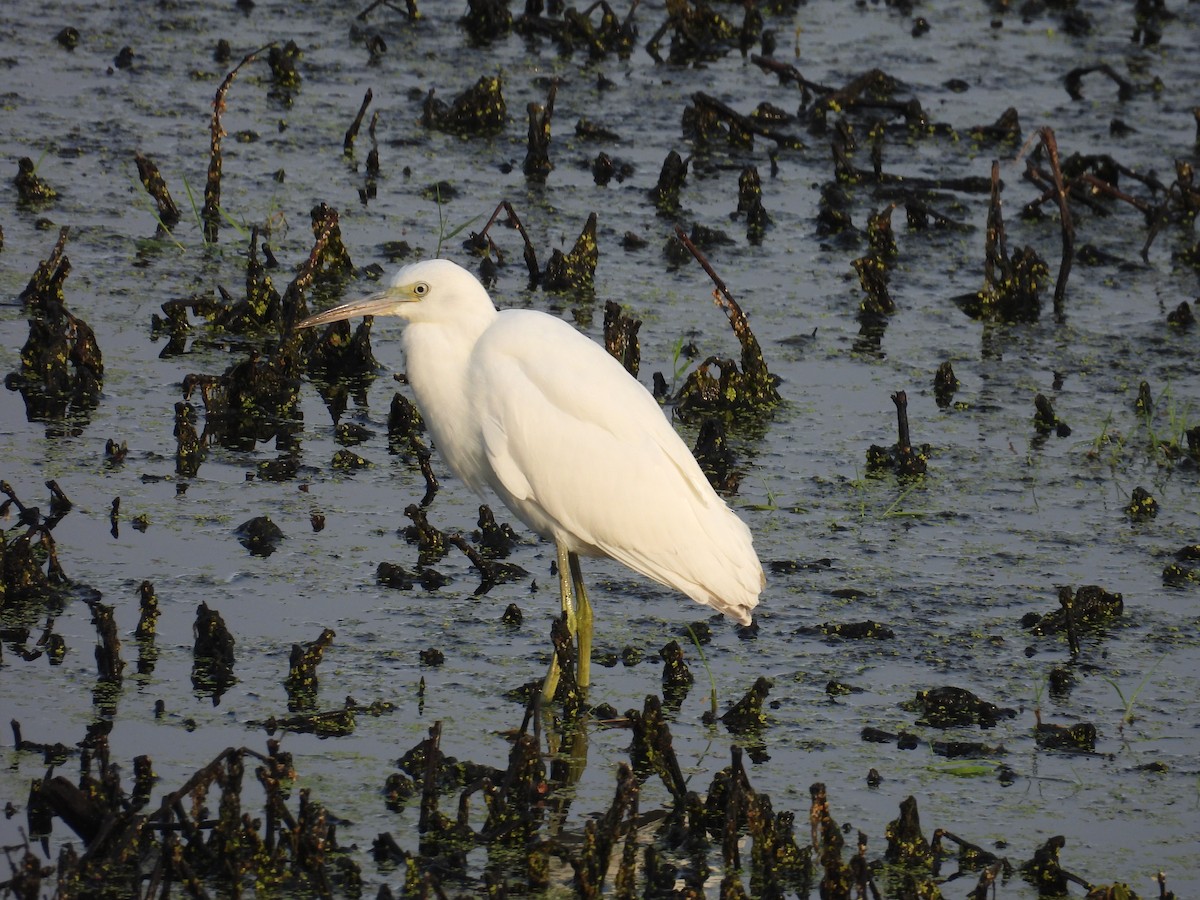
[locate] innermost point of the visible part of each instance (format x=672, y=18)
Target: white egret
x=520, y=402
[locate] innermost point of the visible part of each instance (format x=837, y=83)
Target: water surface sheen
x=950, y=562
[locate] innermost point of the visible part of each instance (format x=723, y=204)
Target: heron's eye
x=420, y=289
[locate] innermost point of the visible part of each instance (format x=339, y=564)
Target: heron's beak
x=383, y=303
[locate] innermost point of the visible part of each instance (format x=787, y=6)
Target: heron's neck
x=437, y=359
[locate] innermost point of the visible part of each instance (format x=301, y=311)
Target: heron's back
x=582, y=453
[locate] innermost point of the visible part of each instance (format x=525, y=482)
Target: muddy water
x=950, y=563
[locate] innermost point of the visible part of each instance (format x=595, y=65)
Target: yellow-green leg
x=578, y=613
x=583, y=622
x=566, y=592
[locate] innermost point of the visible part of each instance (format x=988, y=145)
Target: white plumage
x=520, y=402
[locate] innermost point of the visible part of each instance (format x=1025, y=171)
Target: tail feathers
x=713, y=563
x=735, y=606
x=731, y=587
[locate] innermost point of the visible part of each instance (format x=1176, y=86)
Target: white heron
x=519, y=402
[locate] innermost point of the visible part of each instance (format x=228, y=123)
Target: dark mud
x=890, y=591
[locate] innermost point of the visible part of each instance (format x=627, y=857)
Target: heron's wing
x=582, y=453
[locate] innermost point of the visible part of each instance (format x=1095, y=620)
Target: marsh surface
x=950, y=562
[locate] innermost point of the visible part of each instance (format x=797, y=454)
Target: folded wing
x=583, y=454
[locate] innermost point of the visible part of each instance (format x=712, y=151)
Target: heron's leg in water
x=583, y=621
x=567, y=591
x=577, y=611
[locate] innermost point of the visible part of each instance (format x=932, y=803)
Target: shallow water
x=950, y=563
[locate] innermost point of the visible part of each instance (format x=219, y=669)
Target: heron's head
x=432, y=290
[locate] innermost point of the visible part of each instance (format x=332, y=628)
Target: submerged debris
x=873, y=276
x=481, y=243
x=708, y=119
x=149, y=616
x=1080, y=737
x=430, y=541
x=945, y=385
x=491, y=572
x=750, y=205
x=255, y=399
x=621, y=337
x=290, y=845
x=1012, y=283
x=1142, y=506
x=189, y=449
x=356, y=125
x=146, y=631
x=68, y=38
x=665, y=194
x=261, y=308
x=750, y=390
x=1181, y=316
x=405, y=426
x=900, y=458
x=1180, y=573
x=699, y=32
x=259, y=535
x=677, y=678
x=301, y=684
x=874, y=272
x=32, y=189
x=496, y=540
x=212, y=666
x=340, y=353
x=651, y=751
x=282, y=61
x=210, y=214
x=951, y=707
x=152, y=181
x=479, y=110
x=575, y=270
x=1045, y=420
x=109, y=664
x=605, y=169
x=486, y=21
x=537, y=165
x=852, y=631
x=731, y=827
x=1046, y=874
x=717, y=461
x=252, y=401
x=746, y=716
x=401, y=579
x=576, y=29
x=328, y=257
x=324, y=724
x=906, y=843
x=62, y=368
x=838, y=878
x=1089, y=608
